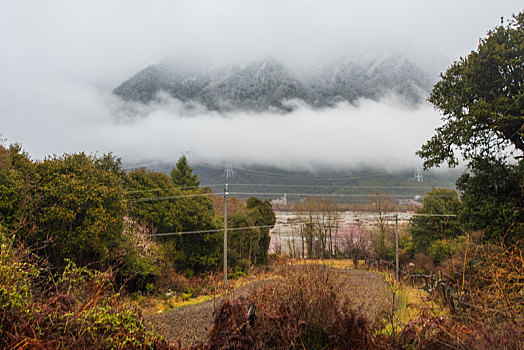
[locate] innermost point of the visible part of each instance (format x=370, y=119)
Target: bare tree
x=320, y=219
x=382, y=205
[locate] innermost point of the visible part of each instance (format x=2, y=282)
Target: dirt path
x=191, y=323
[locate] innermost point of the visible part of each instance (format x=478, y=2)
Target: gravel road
x=191, y=323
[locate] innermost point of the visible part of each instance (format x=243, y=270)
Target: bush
x=243, y=265
x=76, y=308
x=139, y=258
x=236, y=275
x=442, y=249
x=488, y=285
x=423, y=263
x=15, y=293
x=446, y=333
x=302, y=311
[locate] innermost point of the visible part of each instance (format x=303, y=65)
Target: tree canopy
x=492, y=199
x=427, y=229
x=481, y=98
x=182, y=174
x=156, y=201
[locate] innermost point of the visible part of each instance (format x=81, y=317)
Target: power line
x=371, y=216
x=291, y=185
x=173, y=188
x=282, y=224
x=210, y=231
x=316, y=194
x=335, y=195
x=282, y=185
x=171, y=197
x=300, y=177
x=443, y=215
x=340, y=186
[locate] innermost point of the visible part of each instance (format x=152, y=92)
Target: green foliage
x=243, y=265
x=145, y=190
x=73, y=308
x=15, y=279
x=481, y=97
x=71, y=205
x=176, y=211
x=81, y=208
x=182, y=175
x=427, y=229
x=442, y=249
x=492, y=200
x=139, y=257
x=199, y=251
x=261, y=214
x=249, y=246
x=236, y=275
x=16, y=185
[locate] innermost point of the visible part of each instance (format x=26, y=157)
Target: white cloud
x=70, y=119
x=61, y=58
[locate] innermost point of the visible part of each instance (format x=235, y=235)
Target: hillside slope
x=270, y=85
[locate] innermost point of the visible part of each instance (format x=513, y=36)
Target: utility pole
x=396, y=247
x=225, y=234
x=229, y=173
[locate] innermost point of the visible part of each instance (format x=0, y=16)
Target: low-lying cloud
x=60, y=60
x=69, y=118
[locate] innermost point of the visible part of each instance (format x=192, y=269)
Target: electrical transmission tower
x=418, y=176
x=228, y=172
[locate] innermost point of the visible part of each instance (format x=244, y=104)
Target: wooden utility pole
x=229, y=173
x=396, y=247
x=225, y=234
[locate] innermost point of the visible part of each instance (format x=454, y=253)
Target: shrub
x=488, y=286
x=243, y=265
x=423, y=263
x=302, y=311
x=236, y=275
x=138, y=257
x=446, y=333
x=442, y=249
x=15, y=279
x=76, y=308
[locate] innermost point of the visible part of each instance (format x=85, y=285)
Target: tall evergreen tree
x=182, y=174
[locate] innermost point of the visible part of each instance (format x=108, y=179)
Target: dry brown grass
x=305, y=310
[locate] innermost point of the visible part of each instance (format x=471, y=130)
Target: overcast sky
x=59, y=61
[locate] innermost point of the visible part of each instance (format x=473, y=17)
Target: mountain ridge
x=268, y=84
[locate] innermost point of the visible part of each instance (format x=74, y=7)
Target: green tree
x=17, y=177
x=182, y=174
x=80, y=208
x=492, y=197
x=427, y=229
x=152, y=200
x=156, y=201
x=481, y=98
x=261, y=214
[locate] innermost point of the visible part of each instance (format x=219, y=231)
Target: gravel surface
x=191, y=323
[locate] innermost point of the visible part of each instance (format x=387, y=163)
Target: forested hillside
x=270, y=85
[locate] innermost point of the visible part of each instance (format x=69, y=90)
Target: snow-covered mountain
x=270, y=85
